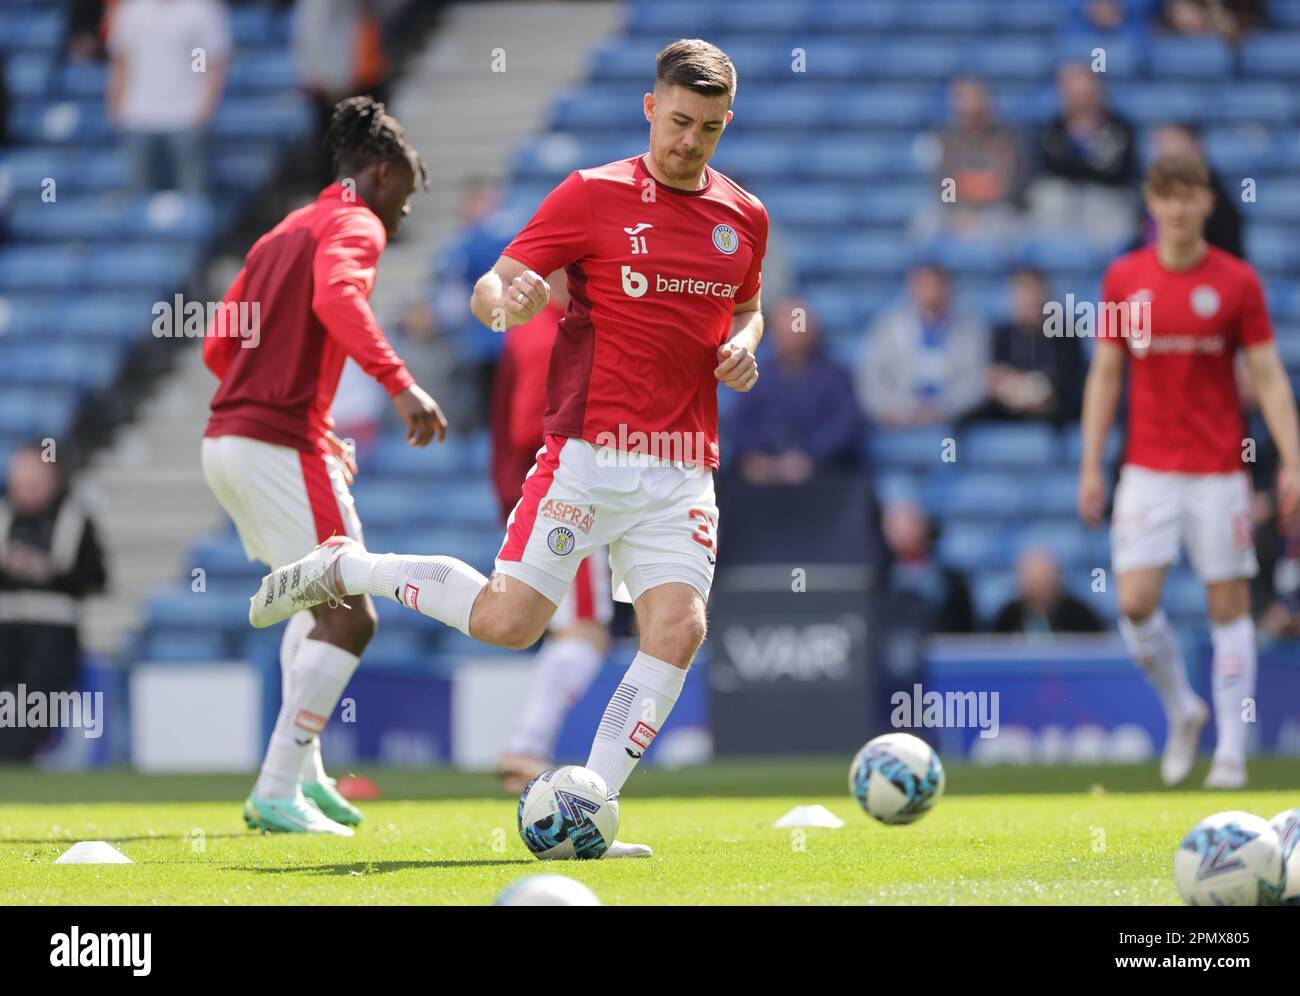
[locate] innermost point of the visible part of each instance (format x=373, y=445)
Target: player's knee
x=1137, y=607
x=354, y=628
x=677, y=641
x=517, y=633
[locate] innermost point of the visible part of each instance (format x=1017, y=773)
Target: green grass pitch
x=1037, y=835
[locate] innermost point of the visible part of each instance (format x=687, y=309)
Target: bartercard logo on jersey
x=580, y=517
x=725, y=239
x=636, y=284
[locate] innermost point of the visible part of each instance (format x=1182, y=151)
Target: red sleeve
x=220, y=343
x=559, y=231
x=343, y=274
x=1110, y=294
x=754, y=278
x=1253, y=326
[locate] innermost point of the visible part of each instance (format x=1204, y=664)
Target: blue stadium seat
x=188, y=645
x=907, y=59
x=1123, y=55
x=970, y=546
x=1271, y=56
x=1189, y=58
x=1008, y=444
x=990, y=590
x=1266, y=102
x=1158, y=103
x=986, y=496
x=45, y=268
x=1067, y=538
x=920, y=448
x=27, y=75
x=1271, y=247
x=677, y=18
x=1010, y=59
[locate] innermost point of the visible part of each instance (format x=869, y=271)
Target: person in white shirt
x=167, y=68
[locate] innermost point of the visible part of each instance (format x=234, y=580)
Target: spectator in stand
x=923, y=362
x=418, y=338
x=339, y=49
x=985, y=160
x=50, y=559
x=161, y=95
x=1132, y=18
x=1043, y=607
x=1229, y=19
x=1034, y=376
x=1223, y=227
x=806, y=417
x=85, y=34
x=909, y=541
x=1085, y=164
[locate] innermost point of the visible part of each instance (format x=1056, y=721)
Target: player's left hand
x=346, y=452
x=1288, y=495
x=737, y=368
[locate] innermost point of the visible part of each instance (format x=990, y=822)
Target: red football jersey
x=1184, y=414
x=310, y=278
x=654, y=275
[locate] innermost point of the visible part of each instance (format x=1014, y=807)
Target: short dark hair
x=697, y=65
x=1175, y=170
x=361, y=132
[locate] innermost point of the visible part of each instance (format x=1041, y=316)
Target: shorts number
x=704, y=527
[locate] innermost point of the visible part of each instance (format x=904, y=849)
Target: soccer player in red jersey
x=578, y=635
x=663, y=257
x=269, y=454
x=1177, y=313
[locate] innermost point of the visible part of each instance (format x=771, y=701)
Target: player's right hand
x=1092, y=496
x=525, y=296
x=422, y=416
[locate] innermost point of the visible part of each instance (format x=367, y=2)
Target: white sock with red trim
x=1154, y=645
x=634, y=716
x=295, y=632
x=321, y=671
x=565, y=668
x=442, y=588
x=1233, y=680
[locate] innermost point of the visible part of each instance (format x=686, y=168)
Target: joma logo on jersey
x=571, y=515
x=636, y=284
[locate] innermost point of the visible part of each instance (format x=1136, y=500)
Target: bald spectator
x=50, y=559
x=913, y=569
x=1085, y=164
x=924, y=361
x=1043, y=607
x=804, y=417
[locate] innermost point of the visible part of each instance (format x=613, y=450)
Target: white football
x=1287, y=827
x=1230, y=859
x=568, y=812
x=546, y=890
x=897, y=778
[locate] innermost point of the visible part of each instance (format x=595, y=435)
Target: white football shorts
x=1156, y=512
x=658, y=518
x=283, y=502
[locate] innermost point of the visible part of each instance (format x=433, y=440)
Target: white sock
x=1233, y=679
x=1154, y=645
x=442, y=588
x=565, y=668
x=635, y=714
x=300, y=624
x=321, y=672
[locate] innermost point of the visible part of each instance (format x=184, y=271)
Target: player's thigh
x=1220, y=528
x=1138, y=591
x=509, y=612
x=1146, y=521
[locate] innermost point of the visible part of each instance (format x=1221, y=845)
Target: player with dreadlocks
x=295, y=312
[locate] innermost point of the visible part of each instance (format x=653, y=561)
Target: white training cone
x=809, y=816
x=93, y=852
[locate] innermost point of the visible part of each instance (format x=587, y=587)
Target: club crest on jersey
x=725, y=239
x=1204, y=301
x=560, y=540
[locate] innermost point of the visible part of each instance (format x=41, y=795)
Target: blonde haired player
x=663, y=257
x=1183, y=483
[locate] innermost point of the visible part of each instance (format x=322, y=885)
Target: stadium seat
x=1009, y=445
x=1189, y=58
